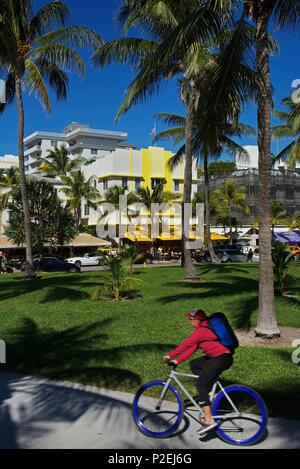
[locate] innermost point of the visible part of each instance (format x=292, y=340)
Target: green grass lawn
x=53, y=329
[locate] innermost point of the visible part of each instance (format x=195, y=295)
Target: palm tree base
x=268, y=334
x=29, y=273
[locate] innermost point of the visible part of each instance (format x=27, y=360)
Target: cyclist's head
x=196, y=317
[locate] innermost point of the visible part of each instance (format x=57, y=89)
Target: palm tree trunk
x=267, y=324
x=230, y=227
x=188, y=177
x=29, y=270
x=214, y=258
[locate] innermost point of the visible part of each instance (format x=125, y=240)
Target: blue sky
x=95, y=100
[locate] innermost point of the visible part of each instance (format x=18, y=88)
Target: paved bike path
x=38, y=413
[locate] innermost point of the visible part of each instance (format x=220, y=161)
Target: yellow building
x=133, y=168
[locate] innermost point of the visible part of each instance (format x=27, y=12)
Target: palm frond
x=60, y=55
x=51, y=13
x=126, y=50
x=34, y=82
x=72, y=36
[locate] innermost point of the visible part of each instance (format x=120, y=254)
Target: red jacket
x=202, y=338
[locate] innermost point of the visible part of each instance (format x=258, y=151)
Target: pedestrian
x=250, y=255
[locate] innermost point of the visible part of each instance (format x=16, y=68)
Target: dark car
x=55, y=264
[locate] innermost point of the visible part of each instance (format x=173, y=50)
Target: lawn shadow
x=56, y=285
x=80, y=354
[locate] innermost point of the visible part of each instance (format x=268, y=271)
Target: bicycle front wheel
x=157, y=409
x=241, y=415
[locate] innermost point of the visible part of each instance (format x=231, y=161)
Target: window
x=95, y=183
x=105, y=184
x=251, y=191
x=138, y=183
x=176, y=186
x=125, y=183
x=94, y=151
x=289, y=193
x=54, y=143
x=86, y=210
x=155, y=183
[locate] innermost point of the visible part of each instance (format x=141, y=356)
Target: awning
x=86, y=240
x=217, y=237
x=288, y=237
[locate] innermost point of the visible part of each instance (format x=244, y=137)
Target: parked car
x=53, y=264
x=87, y=260
x=233, y=255
x=16, y=262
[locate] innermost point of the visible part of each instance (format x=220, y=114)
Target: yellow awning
x=138, y=237
x=217, y=237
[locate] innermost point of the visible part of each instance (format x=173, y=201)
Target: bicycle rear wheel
x=241, y=415
x=157, y=409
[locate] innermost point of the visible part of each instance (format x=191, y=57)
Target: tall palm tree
x=209, y=141
x=230, y=196
x=161, y=19
x=290, y=128
x=283, y=13
x=58, y=162
x=77, y=189
x=9, y=179
x=35, y=49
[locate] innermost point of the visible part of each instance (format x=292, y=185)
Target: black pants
x=208, y=370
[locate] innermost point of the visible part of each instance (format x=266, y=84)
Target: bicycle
x=239, y=411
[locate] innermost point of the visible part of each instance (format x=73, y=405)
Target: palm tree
x=77, y=189
x=156, y=196
x=292, y=221
x=230, y=197
x=289, y=129
x=36, y=48
x=162, y=18
x=208, y=143
x=9, y=179
x=283, y=13
x=112, y=197
x=59, y=163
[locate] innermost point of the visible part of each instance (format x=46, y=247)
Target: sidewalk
x=37, y=413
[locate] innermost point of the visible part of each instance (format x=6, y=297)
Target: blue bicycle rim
x=136, y=412
x=262, y=409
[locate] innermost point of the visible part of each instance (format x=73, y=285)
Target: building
x=7, y=161
x=80, y=139
x=285, y=185
x=112, y=162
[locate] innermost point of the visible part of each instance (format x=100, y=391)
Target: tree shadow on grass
x=56, y=285
x=80, y=353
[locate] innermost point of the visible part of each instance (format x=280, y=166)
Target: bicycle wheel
x=241, y=415
x=157, y=409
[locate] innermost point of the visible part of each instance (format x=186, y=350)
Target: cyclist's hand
x=166, y=359
x=172, y=363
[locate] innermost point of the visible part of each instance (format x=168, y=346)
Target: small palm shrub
x=281, y=260
x=121, y=281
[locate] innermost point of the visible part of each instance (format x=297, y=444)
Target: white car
x=87, y=260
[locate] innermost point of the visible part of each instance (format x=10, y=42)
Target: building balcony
x=33, y=150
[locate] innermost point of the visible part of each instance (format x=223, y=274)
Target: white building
x=252, y=161
x=80, y=140
x=8, y=161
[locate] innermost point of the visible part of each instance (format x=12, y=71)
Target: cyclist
x=217, y=358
